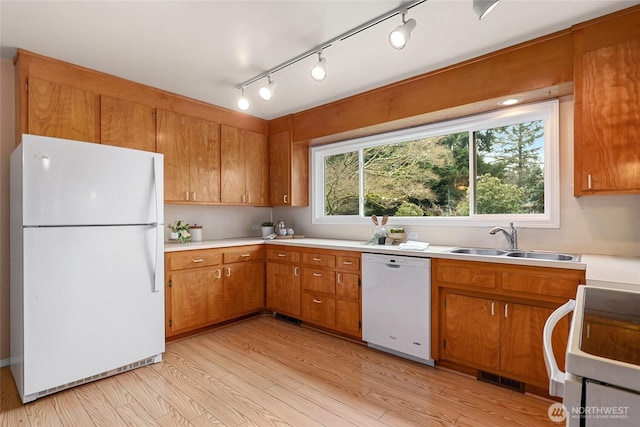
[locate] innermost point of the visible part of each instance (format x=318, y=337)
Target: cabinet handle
x=493, y=308
x=186, y=195
x=589, y=181
x=282, y=255
x=286, y=199
x=228, y=271
x=242, y=198
x=245, y=255
x=218, y=274
x=193, y=196
x=317, y=259
x=339, y=278
x=317, y=301
x=197, y=260
x=248, y=198
x=588, y=330
x=317, y=274
x=506, y=310
x=347, y=262
x=296, y=271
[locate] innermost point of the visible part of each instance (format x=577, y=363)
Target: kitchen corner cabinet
x=288, y=171
x=191, y=148
x=61, y=111
x=244, y=167
x=318, y=286
x=208, y=286
x=127, y=124
x=490, y=317
x=607, y=106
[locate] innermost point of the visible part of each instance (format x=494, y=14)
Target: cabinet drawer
x=466, y=276
x=319, y=280
x=349, y=263
x=193, y=259
x=243, y=254
x=551, y=285
x=283, y=255
x=319, y=309
x=319, y=260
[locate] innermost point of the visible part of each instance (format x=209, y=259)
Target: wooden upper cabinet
x=127, y=124
x=607, y=107
x=288, y=167
x=191, y=149
x=244, y=166
x=61, y=111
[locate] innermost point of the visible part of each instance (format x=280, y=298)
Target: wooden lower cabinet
x=208, y=286
x=317, y=286
x=498, y=328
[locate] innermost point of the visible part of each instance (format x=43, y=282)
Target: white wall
x=608, y=225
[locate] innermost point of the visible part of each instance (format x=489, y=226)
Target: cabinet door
x=127, y=124
x=173, y=142
x=257, y=168
x=608, y=119
x=62, y=111
x=522, y=349
x=279, y=168
x=196, y=298
x=283, y=288
x=204, y=176
x=348, y=317
x=243, y=288
x=471, y=331
x=232, y=166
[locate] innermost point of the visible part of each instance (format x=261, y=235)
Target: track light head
x=266, y=92
x=401, y=35
x=319, y=71
x=483, y=7
x=243, y=102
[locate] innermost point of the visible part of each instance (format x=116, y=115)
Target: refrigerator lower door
x=90, y=302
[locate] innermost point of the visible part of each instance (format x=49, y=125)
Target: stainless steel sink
x=543, y=255
x=515, y=253
x=478, y=251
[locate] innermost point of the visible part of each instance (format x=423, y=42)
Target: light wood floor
x=265, y=372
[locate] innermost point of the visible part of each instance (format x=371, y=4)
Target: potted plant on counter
x=267, y=228
x=180, y=231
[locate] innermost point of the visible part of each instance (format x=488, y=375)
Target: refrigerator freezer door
x=89, y=308
x=77, y=183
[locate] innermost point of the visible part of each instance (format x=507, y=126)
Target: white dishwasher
x=396, y=305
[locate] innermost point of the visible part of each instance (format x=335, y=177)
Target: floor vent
x=501, y=381
x=287, y=319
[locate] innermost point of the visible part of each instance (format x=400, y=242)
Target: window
x=498, y=166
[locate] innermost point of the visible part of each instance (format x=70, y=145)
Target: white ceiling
x=203, y=49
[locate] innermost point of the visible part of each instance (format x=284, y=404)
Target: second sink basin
x=478, y=251
x=543, y=255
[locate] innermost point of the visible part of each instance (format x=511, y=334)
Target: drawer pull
x=317, y=301
x=493, y=308
x=317, y=274
x=339, y=278
x=218, y=274
x=186, y=195
x=506, y=310
x=197, y=260
x=347, y=262
x=282, y=255
x=296, y=271
x=317, y=259
x=228, y=271
x=245, y=255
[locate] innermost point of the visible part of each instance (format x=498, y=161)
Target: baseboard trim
x=5, y=362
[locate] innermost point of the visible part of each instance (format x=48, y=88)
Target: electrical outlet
x=412, y=235
x=255, y=227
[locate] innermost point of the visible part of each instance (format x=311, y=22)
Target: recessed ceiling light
x=509, y=101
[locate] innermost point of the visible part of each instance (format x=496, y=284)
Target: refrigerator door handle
x=159, y=231
x=556, y=376
x=155, y=186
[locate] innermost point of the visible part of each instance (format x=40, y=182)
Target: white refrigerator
x=87, y=262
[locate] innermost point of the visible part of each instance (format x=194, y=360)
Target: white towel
x=411, y=245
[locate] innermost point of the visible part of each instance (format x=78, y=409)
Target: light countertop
x=601, y=270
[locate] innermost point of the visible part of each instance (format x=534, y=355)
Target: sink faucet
x=511, y=235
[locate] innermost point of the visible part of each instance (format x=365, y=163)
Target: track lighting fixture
x=319, y=71
x=483, y=7
x=266, y=92
x=243, y=102
x=401, y=35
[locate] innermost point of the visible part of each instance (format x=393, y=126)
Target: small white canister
x=196, y=233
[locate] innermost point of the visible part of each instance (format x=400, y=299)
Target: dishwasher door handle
x=393, y=265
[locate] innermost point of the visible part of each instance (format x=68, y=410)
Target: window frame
x=548, y=111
